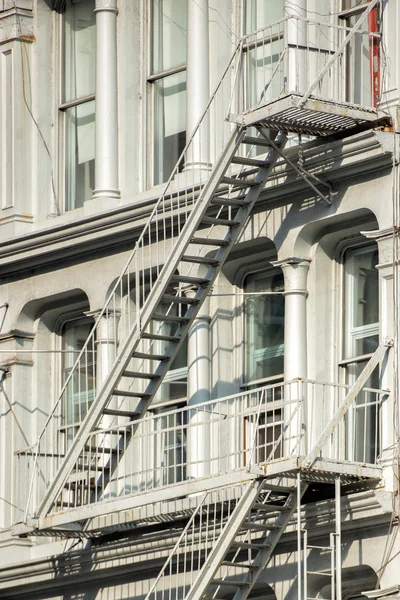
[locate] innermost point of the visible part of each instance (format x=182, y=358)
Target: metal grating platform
x=316, y=117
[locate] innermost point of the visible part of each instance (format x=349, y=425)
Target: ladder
x=246, y=542
x=224, y=205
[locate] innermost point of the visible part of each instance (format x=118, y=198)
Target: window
x=362, y=52
x=361, y=338
x=78, y=105
x=168, y=83
x=264, y=325
x=265, y=70
x=80, y=389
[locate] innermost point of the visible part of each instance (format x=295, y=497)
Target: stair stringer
x=192, y=224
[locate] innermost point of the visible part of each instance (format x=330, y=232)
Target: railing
x=237, y=432
x=297, y=54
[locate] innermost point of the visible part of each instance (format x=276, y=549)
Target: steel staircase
x=223, y=206
x=247, y=538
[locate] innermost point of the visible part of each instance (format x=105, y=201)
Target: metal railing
x=237, y=432
x=300, y=55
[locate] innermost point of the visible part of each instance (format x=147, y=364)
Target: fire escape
x=285, y=79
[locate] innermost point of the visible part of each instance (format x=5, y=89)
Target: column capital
x=295, y=273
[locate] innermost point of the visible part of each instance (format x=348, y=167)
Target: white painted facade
x=59, y=263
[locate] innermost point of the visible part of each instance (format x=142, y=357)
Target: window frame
x=62, y=110
x=152, y=78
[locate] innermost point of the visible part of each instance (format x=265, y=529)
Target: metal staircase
x=247, y=536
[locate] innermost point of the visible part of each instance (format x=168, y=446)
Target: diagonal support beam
x=338, y=52
x=373, y=362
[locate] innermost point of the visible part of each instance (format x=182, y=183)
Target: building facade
x=199, y=299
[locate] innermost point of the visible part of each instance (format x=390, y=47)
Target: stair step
x=160, y=337
x=140, y=375
x=239, y=182
x=250, y=546
x=250, y=525
x=209, y=241
x=269, y=507
x=100, y=450
x=252, y=162
x=256, y=141
x=222, y=201
x=227, y=563
x=201, y=260
x=229, y=583
x=146, y=356
x=278, y=488
x=130, y=394
x=182, y=299
x=188, y=279
x=218, y=221
x=114, y=412
x=170, y=318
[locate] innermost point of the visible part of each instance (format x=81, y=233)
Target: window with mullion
x=361, y=338
x=77, y=106
x=168, y=84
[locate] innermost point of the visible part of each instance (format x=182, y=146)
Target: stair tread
x=203, y=260
x=209, y=241
x=121, y=413
x=139, y=375
x=229, y=583
x=190, y=279
x=239, y=182
x=146, y=356
x=131, y=394
x=244, y=160
x=278, y=488
x=250, y=545
x=223, y=201
x=269, y=507
x=256, y=141
x=169, y=318
x=259, y=526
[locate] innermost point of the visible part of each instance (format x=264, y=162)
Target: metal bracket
x=304, y=174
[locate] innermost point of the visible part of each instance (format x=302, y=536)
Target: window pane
x=169, y=34
x=79, y=49
x=264, y=333
x=80, y=389
x=169, y=124
x=259, y=13
x=79, y=154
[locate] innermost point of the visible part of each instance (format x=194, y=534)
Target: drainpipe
x=295, y=362
x=106, y=193
x=199, y=438
x=197, y=90
x=297, y=42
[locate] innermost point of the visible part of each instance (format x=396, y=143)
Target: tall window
x=361, y=339
x=80, y=389
x=78, y=105
x=264, y=325
x=168, y=83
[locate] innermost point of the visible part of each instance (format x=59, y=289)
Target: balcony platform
x=183, y=496
x=316, y=117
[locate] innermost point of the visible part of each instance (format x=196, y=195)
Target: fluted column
x=106, y=178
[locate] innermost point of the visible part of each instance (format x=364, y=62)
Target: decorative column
x=295, y=272
x=106, y=193
x=197, y=89
x=389, y=328
x=199, y=439
x=297, y=42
